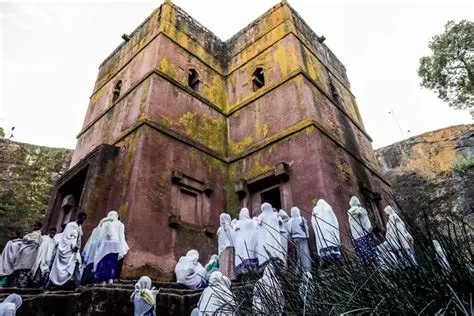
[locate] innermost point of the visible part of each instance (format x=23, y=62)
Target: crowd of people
x=272, y=238
x=245, y=244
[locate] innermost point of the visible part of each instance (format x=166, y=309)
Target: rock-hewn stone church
x=182, y=125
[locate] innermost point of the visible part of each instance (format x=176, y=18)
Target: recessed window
x=258, y=79
x=193, y=79
x=334, y=93
x=116, y=93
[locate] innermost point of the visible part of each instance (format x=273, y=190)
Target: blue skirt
x=107, y=268
x=365, y=251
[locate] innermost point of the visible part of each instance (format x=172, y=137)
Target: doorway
x=272, y=196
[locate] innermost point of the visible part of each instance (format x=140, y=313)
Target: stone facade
x=182, y=126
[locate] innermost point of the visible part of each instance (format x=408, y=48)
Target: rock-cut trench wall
x=27, y=175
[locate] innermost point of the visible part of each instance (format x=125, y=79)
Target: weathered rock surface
x=27, y=173
x=433, y=172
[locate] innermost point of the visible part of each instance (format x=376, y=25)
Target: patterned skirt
x=366, y=251
x=226, y=262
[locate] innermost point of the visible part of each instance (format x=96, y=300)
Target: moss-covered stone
x=27, y=173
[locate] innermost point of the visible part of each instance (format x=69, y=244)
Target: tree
x=449, y=70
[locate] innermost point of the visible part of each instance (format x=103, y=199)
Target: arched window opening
x=193, y=79
x=116, y=93
x=258, y=79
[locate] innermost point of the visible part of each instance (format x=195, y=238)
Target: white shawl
x=189, y=271
x=28, y=250
x=297, y=225
x=66, y=258
x=108, y=237
x=325, y=226
x=8, y=258
x=358, y=219
x=44, y=258
x=225, y=233
x=144, y=297
x=267, y=295
x=397, y=235
x=268, y=232
x=10, y=305
x=217, y=298
x=245, y=234
x=283, y=220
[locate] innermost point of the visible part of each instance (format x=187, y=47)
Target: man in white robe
x=8, y=258
x=44, y=258
x=27, y=255
x=67, y=262
x=10, y=305
x=299, y=232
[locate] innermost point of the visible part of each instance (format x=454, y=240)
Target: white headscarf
x=325, y=226
x=297, y=225
x=144, y=296
x=108, y=237
x=358, y=219
x=245, y=234
x=268, y=295
x=225, y=233
x=189, y=271
x=269, y=239
x=397, y=235
x=10, y=305
x=217, y=298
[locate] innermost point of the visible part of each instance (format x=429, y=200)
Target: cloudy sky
x=50, y=53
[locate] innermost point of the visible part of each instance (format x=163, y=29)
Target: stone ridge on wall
x=432, y=172
x=27, y=174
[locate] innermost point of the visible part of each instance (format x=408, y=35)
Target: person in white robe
x=361, y=231
x=299, y=232
x=283, y=220
x=326, y=233
x=8, y=258
x=27, y=256
x=386, y=259
x=105, y=247
x=268, y=296
x=190, y=272
x=10, y=305
x=67, y=262
x=44, y=258
x=245, y=241
x=269, y=240
x=225, y=245
x=144, y=297
x=398, y=239
x=217, y=298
